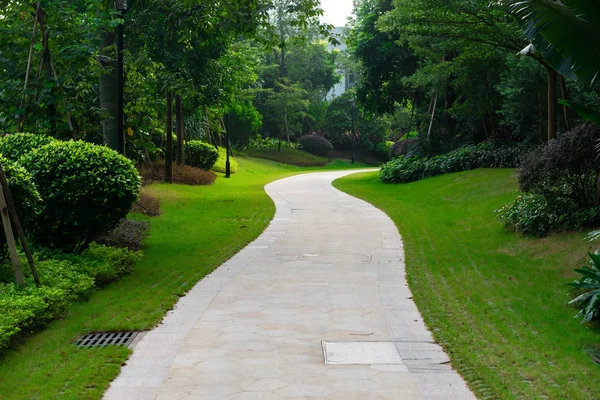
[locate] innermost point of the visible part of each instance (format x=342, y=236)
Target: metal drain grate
x=106, y=339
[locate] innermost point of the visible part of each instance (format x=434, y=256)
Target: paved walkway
x=316, y=307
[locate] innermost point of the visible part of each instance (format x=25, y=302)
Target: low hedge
x=410, y=169
x=65, y=278
x=202, y=155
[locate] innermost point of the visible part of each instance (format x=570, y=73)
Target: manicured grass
x=289, y=156
x=496, y=301
x=200, y=227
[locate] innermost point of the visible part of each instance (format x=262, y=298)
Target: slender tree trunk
x=179, y=129
x=108, y=90
x=551, y=103
x=27, y=71
x=563, y=95
x=169, y=134
x=432, y=115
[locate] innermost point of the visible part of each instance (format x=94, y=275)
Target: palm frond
x=565, y=32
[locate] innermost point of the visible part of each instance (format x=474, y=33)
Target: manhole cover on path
x=366, y=353
x=106, y=339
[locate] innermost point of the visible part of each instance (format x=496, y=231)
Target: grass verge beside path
x=200, y=228
x=289, y=156
x=496, y=301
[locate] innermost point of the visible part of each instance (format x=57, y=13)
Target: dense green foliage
x=560, y=181
x=535, y=215
x=202, y=155
x=66, y=278
x=451, y=66
x=16, y=145
x=409, y=169
x=566, y=167
x=86, y=190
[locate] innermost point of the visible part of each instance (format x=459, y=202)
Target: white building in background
x=348, y=79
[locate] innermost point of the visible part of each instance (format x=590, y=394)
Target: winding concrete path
x=316, y=307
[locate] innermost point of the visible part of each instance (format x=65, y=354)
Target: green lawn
x=290, y=156
x=200, y=228
x=496, y=301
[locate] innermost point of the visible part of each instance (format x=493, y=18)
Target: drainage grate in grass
x=106, y=339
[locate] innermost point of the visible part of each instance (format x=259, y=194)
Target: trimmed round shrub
x=202, y=155
x=16, y=145
x=566, y=167
x=316, y=145
x=86, y=190
x=404, y=147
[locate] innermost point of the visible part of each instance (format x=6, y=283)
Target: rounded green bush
x=86, y=189
x=202, y=155
x=16, y=145
x=316, y=145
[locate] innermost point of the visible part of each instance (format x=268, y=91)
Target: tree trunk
x=551, y=103
x=179, y=129
x=108, y=90
x=169, y=134
x=10, y=240
x=563, y=95
x=14, y=218
x=432, y=115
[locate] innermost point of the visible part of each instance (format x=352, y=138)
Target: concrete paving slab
x=329, y=268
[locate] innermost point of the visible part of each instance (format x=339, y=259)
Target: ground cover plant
x=496, y=301
x=65, y=278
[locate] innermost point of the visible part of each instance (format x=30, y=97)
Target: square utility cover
x=369, y=353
